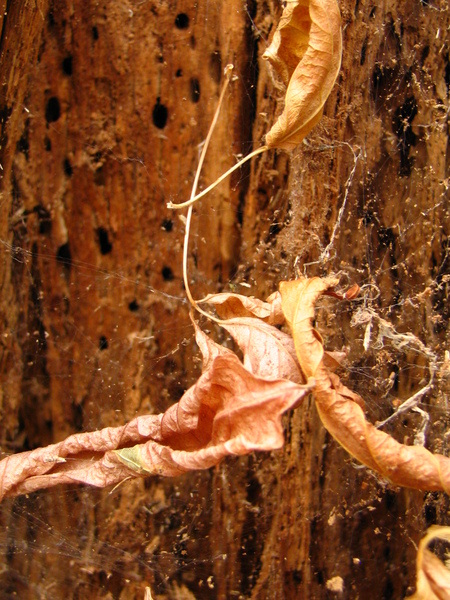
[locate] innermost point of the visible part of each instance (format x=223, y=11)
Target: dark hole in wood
x=179, y=73
x=133, y=306
x=52, y=110
x=99, y=177
x=167, y=224
x=77, y=416
x=95, y=33
x=103, y=241
x=44, y=218
x=447, y=74
x=274, y=229
x=425, y=53
x=362, y=59
x=67, y=168
x=64, y=256
x=160, y=114
x=430, y=512
x=167, y=274
x=23, y=145
x=401, y=124
x=215, y=66
x=67, y=65
x=195, y=90
x=388, y=591
x=102, y=343
x=182, y=21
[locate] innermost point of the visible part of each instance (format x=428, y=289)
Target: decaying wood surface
x=103, y=107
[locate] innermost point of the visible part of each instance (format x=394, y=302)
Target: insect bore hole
x=52, y=110
x=67, y=65
x=182, y=21
x=195, y=90
x=103, y=241
x=167, y=274
x=160, y=114
x=64, y=255
x=133, y=306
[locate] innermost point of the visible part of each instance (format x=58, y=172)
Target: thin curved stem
x=194, y=197
x=228, y=71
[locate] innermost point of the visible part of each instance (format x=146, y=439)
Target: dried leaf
x=229, y=411
x=306, y=51
x=341, y=409
x=298, y=299
x=268, y=352
x=350, y=294
x=230, y=305
x=433, y=577
x=208, y=347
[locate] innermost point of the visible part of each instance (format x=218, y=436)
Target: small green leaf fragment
x=132, y=458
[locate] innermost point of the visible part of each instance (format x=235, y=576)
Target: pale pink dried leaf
x=208, y=347
x=341, y=409
x=99, y=472
x=267, y=351
x=229, y=305
x=343, y=417
x=236, y=414
x=306, y=51
x=77, y=458
x=228, y=411
x=437, y=577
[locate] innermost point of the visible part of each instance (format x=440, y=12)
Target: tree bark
x=103, y=109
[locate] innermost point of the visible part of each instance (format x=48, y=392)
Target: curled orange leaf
x=306, y=52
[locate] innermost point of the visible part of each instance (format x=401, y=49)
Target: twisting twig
x=206, y=191
x=194, y=196
x=228, y=70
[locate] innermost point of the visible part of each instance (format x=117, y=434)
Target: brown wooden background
x=103, y=106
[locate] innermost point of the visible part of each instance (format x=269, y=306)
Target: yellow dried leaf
x=433, y=577
x=298, y=299
x=306, y=52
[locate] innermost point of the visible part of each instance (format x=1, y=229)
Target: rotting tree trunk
x=103, y=108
